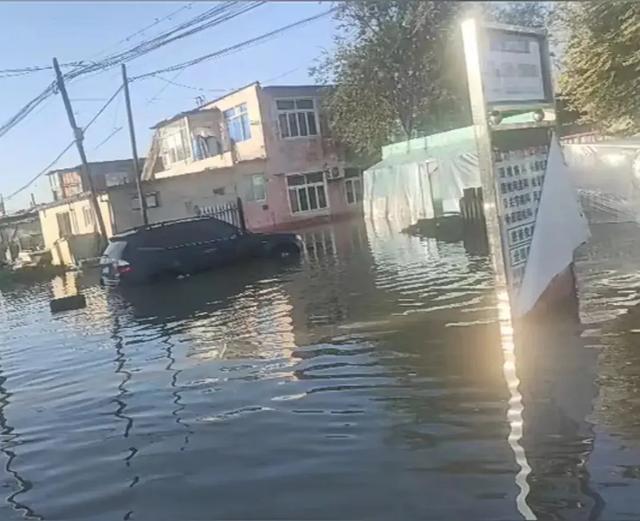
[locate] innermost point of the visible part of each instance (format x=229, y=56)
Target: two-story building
x=69, y=224
x=269, y=146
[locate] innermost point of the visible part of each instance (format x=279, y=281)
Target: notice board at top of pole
x=534, y=222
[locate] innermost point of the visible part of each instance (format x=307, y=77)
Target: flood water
x=368, y=381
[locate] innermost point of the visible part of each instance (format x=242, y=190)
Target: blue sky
x=32, y=33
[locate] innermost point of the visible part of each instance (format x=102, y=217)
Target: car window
x=207, y=230
x=161, y=237
x=187, y=232
x=219, y=229
x=115, y=249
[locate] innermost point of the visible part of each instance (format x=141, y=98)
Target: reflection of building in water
x=557, y=383
x=318, y=242
x=65, y=285
x=97, y=314
x=335, y=285
x=338, y=239
x=231, y=313
x=256, y=323
x=9, y=439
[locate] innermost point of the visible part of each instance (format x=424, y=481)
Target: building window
x=74, y=222
x=257, y=190
x=54, y=181
x=71, y=184
x=307, y=192
x=116, y=178
x=206, y=146
x=151, y=199
x=237, y=120
x=296, y=117
x=87, y=214
x=175, y=143
x=353, y=185
x=64, y=224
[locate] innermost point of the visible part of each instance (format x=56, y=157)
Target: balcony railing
x=190, y=166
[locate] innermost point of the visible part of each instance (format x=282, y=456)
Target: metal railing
x=231, y=212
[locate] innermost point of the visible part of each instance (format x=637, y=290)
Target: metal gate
x=231, y=212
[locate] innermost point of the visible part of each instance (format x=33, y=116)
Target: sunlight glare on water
x=371, y=380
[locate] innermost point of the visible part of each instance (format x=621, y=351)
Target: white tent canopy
x=419, y=177
x=426, y=177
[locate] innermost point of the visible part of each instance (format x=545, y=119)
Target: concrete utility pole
x=134, y=149
x=79, y=137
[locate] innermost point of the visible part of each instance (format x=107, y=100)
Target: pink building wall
x=295, y=156
x=263, y=153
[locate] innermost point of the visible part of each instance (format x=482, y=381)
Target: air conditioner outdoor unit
x=333, y=173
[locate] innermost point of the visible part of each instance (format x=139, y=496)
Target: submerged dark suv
x=186, y=246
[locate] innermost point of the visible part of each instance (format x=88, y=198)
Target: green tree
x=601, y=64
x=528, y=14
x=398, y=67
x=389, y=70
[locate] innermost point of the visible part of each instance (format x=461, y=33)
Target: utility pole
x=79, y=137
x=134, y=148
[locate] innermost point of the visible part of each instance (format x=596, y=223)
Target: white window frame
x=176, y=132
x=352, y=181
x=296, y=111
x=75, y=229
x=322, y=183
x=87, y=214
x=238, y=113
x=251, y=191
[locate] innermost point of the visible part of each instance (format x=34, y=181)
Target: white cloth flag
x=560, y=228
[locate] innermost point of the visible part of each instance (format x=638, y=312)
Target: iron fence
x=231, y=212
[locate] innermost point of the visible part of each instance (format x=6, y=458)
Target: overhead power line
x=42, y=172
x=66, y=149
x=190, y=87
x=21, y=71
x=36, y=68
x=105, y=140
x=215, y=16
x=234, y=48
x=203, y=89
x=146, y=28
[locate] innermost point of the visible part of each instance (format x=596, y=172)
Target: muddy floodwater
x=367, y=381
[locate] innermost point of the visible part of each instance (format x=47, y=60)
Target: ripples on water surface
x=366, y=382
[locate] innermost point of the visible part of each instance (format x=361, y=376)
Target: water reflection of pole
x=126, y=376
x=177, y=401
x=560, y=386
x=516, y=408
x=9, y=437
x=122, y=395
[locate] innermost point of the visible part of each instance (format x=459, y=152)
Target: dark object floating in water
x=448, y=228
x=66, y=303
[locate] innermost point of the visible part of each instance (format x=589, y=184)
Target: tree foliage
x=398, y=67
x=388, y=69
x=528, y=14
x=601, y=64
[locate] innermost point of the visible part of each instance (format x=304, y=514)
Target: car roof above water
x=150, y=228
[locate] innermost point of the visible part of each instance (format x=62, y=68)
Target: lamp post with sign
x=533, y=219
x=508, y=71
